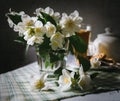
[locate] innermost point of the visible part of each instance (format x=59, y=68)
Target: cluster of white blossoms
x=33, y=30
x=52, y=30
x=66, y=81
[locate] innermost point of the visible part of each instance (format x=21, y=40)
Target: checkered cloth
x=15, y=85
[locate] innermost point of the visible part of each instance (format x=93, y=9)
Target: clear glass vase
x=45, y=65
x=51, y=68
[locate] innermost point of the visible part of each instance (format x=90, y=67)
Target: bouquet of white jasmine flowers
x=53, y=35
x=50, y=32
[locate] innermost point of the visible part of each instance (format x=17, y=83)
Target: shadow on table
x=16, y=59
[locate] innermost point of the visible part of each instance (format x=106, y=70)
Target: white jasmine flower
x=38, y=23
x=39, y=28
x=10, y=22
x=39, y=82
x=28, y=21
x=85, y=80
x=95, y=63
x=28, y=33
x=57, y=41
x=34, y=34
x=32, y=38
x=70, y=24
x=65, y=80
x=56, y=16
x=50, y=29
x=49, y=11
x=17, y=27
x=38, y=10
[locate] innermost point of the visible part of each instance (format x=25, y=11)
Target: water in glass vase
x=45, y=64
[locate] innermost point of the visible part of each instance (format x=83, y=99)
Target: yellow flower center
x=37, y=30
x=39, y=84
x=31, y=32
x=57, y=36
x=51, y=29
x=66, y=80
x=55, y=43
x=29, y=23
x=70, y=24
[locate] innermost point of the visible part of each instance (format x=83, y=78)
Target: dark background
x=98, y=13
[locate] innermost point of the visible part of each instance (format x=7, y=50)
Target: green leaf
x=57, y=84
x=44, y=47
x=53, y=57
x=71, y=49
x=58, y=72
x=74, y=84
x=45, y=43
x=76, y=76
x=85, y=63
x=48, y=18
x=15, y=18
x=60, y=51
x=46, y=64
x=42, y=20
x=78, y=43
